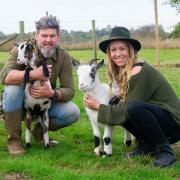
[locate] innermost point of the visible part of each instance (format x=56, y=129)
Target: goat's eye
x=92, y=75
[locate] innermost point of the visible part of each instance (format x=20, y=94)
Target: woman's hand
x=42, y=91
x=91, y=102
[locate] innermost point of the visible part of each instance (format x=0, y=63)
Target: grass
x=167, y=56
x=73, y=158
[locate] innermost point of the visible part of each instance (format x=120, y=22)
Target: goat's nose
x=81, y=85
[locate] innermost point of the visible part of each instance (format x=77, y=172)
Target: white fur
x=30, y=101
x=101, y=92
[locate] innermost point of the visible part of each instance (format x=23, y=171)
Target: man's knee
x=61, y=122
x=64, y=114
x=74, y=113
x=13, y=97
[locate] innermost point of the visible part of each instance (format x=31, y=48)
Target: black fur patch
x=46, y=102
x=22, y=46
x=93, y=74
x=107, y=140
x=96, y=141
x=43, y=63
x=26, y=75
x=37, y=107
x=37, y=111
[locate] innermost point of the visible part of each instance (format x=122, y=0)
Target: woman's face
x=119, y=52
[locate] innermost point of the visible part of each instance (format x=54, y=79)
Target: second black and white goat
x=37, y=108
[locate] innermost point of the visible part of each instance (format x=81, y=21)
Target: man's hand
x=91, y=101
x=38, y=74
x=43, y=91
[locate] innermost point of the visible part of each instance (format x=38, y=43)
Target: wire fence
x=8, y=27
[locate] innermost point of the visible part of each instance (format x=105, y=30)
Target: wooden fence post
x=157, y=35
x=94, y=39
x=21, y=30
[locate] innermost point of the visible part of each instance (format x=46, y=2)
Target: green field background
x=73, y=158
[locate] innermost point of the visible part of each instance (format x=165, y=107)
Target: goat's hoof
x=28, y=145
x=99, y=153
x=106, y=154
x=128, y=143
x=47, y=146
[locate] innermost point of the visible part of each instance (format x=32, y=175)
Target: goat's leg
x=128, y=138
x=45, y=132
x=98, y=150
x=28, y=129
x=108, y=130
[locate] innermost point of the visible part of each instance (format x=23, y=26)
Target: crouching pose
x=148, y=107
x=62, y=112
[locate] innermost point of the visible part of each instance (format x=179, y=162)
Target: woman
x=148, y=106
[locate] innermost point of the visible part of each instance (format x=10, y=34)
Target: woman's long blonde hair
x=121, y=75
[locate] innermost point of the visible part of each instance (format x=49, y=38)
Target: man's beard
x=47, y=52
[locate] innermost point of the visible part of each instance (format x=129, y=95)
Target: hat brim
x=104, y=44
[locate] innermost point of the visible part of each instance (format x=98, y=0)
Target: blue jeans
x=65, y=113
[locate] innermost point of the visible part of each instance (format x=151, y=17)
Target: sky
x=78, y=14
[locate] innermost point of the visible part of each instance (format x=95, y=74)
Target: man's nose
x=48, y=38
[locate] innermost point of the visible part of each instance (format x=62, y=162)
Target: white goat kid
x=89, y=83
x=37, y=109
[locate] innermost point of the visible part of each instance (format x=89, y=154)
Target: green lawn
x=167, y=56
x=73, y=158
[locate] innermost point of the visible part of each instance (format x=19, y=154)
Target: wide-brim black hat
x=120, y=33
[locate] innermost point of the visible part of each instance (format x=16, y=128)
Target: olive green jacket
x=146, y=86
x=62, y=70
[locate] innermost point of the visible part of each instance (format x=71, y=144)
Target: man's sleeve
x=66, y=79
x=9, y=65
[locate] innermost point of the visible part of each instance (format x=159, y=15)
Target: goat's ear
x=99, y=65
x=75, y=63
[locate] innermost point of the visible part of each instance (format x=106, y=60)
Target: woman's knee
x=133, y=107
x=13, y=97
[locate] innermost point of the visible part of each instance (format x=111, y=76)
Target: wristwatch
x=55, y=95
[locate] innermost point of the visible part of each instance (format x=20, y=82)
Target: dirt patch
x=15, y=176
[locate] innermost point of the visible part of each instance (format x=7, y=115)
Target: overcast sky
x=77, y=14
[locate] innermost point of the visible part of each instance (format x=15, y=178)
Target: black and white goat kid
x=37, y=108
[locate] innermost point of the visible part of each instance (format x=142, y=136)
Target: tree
x=176, y=32
x=148, y=31
x=175, y=4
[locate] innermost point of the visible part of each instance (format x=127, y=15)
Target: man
x=62, y=112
